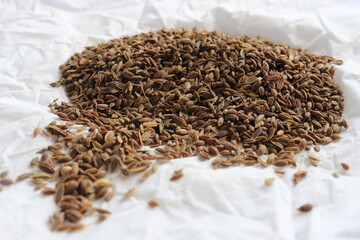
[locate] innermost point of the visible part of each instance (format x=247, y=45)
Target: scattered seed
x=153, y=203
x=4, y=174
x=269, y=181
x=345, y=166
x=6, y=181
x=176, y=176
x=306, y=208
x=37, y=131
x=129, y=193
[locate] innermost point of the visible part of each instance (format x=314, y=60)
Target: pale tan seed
x=129, y=193
x=34, y=162
x=269, y=181
x=335, y=174
x=23, y=176
x=37, y=131
x=102, y=217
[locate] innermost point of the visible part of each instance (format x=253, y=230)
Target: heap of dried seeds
x=192, y=91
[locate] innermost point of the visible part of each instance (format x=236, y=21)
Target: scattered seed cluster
x=192, y=91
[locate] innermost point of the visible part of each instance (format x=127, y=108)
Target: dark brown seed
x=59, y=192
x=269, y=181
x=306, y=208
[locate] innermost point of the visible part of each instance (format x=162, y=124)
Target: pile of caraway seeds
x=183, y=93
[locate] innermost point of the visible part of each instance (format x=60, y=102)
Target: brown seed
x=37, y=131
x=345, y=166
x=102, y=217
x=306, y=208
x=71, y=227
x=269, y=181
x=23, y=176
x=335, y=174
x=34, y=161
x=4, y=174
x=300, y=174
x=6, y=181
x=59, y=192
x=153, y=203
x=176, y=176
x=73, y=215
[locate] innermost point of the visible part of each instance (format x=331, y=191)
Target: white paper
x=36, y=36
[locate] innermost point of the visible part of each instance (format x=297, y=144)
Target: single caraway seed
x=4, y=174
x=129, y=193
x=299, y=175
x=176, y=176
x=335, y=174
x=306, y=208
x=345, y=166
x=269, y=181
x=6, y=181
x=37, y=131
x=24, y=176
x=153, y=203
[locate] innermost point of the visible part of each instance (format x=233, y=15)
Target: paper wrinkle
x=37, y=36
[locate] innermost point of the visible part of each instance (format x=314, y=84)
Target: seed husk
x=37, y=131
x=73, y=215
x=4, y=174
x=298, y=176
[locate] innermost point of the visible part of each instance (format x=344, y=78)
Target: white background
x=37, y=36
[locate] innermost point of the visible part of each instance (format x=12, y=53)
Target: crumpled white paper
x=36, y=36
